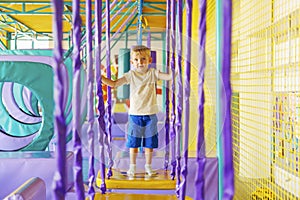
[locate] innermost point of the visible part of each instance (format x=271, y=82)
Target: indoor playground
x=227, y=122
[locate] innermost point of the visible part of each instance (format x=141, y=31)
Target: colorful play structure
x=228, y=125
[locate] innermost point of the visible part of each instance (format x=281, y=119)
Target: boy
x=142, y=129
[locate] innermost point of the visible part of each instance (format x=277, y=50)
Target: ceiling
x=33, y=18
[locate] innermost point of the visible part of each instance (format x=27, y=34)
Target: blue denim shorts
x=142, y=131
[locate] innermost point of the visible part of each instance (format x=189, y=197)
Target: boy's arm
x=114, y=84
x=166, y=76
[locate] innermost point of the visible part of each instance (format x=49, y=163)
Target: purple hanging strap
x=90, y=99
x=109, y=106
x=173, y=116
x=167, y=103
x=201, y=159
x=77, y=148
x=179, y=94
x=149, y=39
x=59, y=118
x=189, y=7
x=101, y=109
x=228, y=172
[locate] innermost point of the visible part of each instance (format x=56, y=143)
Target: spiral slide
x=26, y=123
x=26, y=88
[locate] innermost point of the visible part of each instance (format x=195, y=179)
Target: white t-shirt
x=142, y=92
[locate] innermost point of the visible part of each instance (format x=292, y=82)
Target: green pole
x=69, y=39
x=8, y=39
x=126, y=39
x=16, y=35
x=218, y=94
x=32, y=42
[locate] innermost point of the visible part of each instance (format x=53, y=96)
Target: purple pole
x=189, y=7
x=179, y=94
x=173, y=117
x=59, y=118
x=153, y=56
x=109, y=107
x=228, y=172
x=149, y=39
x=201, y=159
x=90, y=98
x=77, y=168
x=101, y=109
x=167, y=122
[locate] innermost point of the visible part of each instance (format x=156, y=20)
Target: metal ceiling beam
x=15, y=25
x=2, y=46
x=19, y=27
x=161, y=10
x=69, y=13
x=155, y=3
x=68, y=18
x=82, y=13
x=7, y=10
x=43, y=9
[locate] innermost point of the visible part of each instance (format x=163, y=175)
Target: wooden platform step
x=121, y=196
x=125, y=194
x=120, y=180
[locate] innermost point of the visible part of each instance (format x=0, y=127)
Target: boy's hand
x=176, y=71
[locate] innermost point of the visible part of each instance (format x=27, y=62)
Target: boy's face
x=140, y=61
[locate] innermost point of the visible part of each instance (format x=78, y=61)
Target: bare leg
x=133, y=155
x=132, y=166
x=148, y=155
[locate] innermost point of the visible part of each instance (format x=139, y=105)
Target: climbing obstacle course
x=75, y=87
x=234, y=103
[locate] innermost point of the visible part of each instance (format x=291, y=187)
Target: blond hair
x=141, y=49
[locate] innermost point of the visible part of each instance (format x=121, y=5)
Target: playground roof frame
x=33, y=19
x=35, y=16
